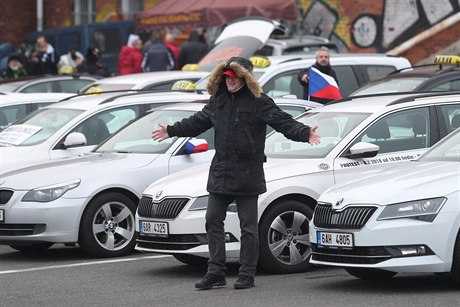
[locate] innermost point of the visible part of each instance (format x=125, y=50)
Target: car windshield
x=203, y=82
x=390, y=86
x=137, y=136
x=37, y=127
x=448, y=149
x=332, y=127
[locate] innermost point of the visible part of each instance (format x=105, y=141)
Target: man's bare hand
x=305, y=78
x=160, y=134
x=314, y=138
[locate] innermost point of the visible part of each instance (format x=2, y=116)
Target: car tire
x=370, y=274
x=37, y=247
x=455, y=270
x=107, y=227
x=278, y=241
x=191, y=259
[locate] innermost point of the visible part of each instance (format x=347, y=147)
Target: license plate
x=153, y=228
x=334, y=239
x=2, y=215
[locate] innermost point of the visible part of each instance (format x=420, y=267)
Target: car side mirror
x=362, y=150
x=75, y=139
x=196, y=146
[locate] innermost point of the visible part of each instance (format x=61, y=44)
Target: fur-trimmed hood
x=216, y=83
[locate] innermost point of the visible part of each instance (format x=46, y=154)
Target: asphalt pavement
x=64, y=276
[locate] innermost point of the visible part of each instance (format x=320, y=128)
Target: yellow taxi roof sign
x=94, y=91
x=183, y=85
x=447, y=59
x=190, y=67
x=259, y=61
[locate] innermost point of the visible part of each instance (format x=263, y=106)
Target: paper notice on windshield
x=16, y=134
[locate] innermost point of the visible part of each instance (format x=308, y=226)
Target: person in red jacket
x=130, y=57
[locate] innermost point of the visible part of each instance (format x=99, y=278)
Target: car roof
x=151, y=77
x=374, y=103
x=17, y=98
x=338, y=58
x=95, y=101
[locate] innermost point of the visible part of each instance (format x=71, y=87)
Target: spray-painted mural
x=362, y=25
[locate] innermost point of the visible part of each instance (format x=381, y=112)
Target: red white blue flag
x=321, y=85
x=195, y=146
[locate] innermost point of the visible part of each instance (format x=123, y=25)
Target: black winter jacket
x=240, y=120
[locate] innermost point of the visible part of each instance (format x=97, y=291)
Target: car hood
x=407, y=181
x=89, y=164
x=192, y=181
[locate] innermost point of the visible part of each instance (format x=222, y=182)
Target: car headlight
x=201, y=203
x=50, y=193
x=423, y=209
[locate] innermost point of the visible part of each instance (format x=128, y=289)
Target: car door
x=401, y=136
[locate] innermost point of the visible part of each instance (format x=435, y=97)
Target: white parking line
x=63, y=266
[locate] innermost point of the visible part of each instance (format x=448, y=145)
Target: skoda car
x=91, y=199
x=357, y=135
x=404, y=219
x=75, y=126
x=48, y=84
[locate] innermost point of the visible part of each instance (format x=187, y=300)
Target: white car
x=91, y=199
x=404, y=219
x=278, y=74
x=75, y=126
x=159, y=81
x=357, y=135
x=16, y=105
x=47, y=84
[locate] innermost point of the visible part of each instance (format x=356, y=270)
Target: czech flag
x=196, y=145
x=321, y=85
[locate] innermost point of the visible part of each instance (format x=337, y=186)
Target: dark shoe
x=211, y=280
x=244, y=282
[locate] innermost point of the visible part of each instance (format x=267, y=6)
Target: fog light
x=412, y=250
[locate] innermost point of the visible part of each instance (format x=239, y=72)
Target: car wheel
x=107, y=228
x=38, y=247
x=191, y=259
x=284, y=238
x=370, y=274
x=455, y=270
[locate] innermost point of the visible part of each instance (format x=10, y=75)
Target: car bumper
x=187, y=235
x=400, y=245
x=57, y=221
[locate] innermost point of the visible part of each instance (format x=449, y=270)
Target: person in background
x=239, y=113
x=130, y=57
x=192, y=50
x=169, y=42
x=68, y=62
x=47, y=56
x=158, y=57
x=323, y=65
x=91, y=65
x=15, y=68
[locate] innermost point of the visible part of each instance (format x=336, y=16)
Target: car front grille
x=21, y=229
x=168, y=208
x=5, y=196
x=356, y=255
x=353, y=217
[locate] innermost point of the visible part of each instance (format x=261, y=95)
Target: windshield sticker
x=373, y=161
x=17, y=134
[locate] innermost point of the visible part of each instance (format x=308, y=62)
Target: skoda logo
x=339, y=202
x=158, y=194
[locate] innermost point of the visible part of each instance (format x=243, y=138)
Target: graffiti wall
x=373, y=26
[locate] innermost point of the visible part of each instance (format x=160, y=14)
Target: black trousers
x=247, y=214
